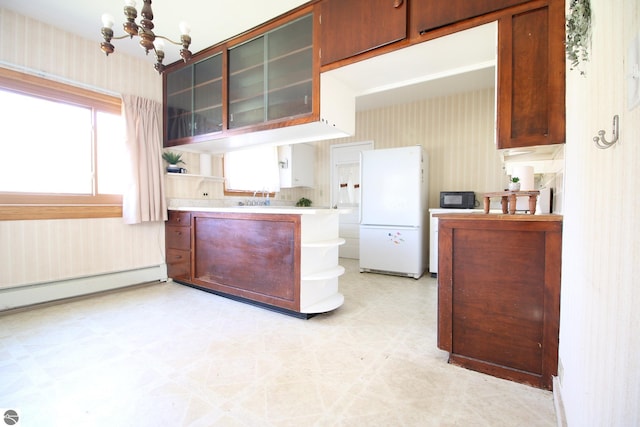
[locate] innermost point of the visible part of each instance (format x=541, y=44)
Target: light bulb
x=184, y=28
x=131, y=3
x=159, y=45
x=107, y=20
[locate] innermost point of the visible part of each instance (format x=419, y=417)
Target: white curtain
x=143, y=198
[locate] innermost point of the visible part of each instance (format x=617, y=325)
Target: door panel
x=349, y=28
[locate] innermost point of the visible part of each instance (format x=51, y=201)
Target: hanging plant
x=578, y=33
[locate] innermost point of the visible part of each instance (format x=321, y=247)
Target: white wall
x=600, y=307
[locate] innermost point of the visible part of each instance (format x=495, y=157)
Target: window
x=65, y=145
x=253, y=169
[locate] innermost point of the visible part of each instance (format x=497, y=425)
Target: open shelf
x=191, y=175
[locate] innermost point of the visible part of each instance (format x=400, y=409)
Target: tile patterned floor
x=170, y=355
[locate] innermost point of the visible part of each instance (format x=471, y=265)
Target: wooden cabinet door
x=351, y=27
x=531, y=77
x=499, y=297
x=428, y=15
x=255, y=256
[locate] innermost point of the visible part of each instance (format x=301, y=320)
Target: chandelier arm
x=169, y=40
x=121, y=37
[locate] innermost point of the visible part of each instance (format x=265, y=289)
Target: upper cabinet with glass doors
x=193, y=100
x=271, y=76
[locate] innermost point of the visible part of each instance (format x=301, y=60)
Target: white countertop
x=288, y=210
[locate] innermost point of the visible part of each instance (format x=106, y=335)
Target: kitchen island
x=281, y=258
x=499, y=294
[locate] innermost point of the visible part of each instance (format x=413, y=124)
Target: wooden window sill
x=42, y=212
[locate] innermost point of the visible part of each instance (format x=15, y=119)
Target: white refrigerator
x=393, y=188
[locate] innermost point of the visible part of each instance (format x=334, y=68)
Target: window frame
x=21, y=206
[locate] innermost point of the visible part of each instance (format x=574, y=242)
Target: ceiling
x=211, y=21
x=460, y=62
x=456, y=63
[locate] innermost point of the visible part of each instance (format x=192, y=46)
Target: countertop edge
x=261, y=210
x=498, y=217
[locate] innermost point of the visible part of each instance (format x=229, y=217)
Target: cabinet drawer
x=176, y=256
x=179, y=218
x=177, y=237
x=178, y=264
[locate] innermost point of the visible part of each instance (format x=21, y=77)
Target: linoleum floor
x=170, y=355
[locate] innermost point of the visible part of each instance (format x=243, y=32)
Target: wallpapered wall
x=46, y=251
x=600, y=320
x=456, y=131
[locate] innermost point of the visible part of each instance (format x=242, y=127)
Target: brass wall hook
x=601, y=141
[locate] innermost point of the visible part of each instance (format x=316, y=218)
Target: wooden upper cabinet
x=531, y=77
x=348, y=28
x=431, y=14
x=193, y=99
x=271, y=76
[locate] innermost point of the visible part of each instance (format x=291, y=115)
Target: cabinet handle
x=397, y=3
x=178, y=233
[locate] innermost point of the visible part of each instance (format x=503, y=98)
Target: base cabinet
x=178, y=245
x=250, y=258
x=499, y=295
x=286, y=261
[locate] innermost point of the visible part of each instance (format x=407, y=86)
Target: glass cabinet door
x=290, y=69
x=194, y=99
x=207, y=96
x=178, y=103
x=270, y=77
x=246, y=84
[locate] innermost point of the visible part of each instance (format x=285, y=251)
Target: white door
x=345, y=192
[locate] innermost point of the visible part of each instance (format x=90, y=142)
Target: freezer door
x=392, y=187
x=397, y=250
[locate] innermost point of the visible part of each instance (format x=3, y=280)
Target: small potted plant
x=514, y=184
x=173, y=159
x=303, y=202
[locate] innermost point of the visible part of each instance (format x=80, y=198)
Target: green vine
x=578, y=33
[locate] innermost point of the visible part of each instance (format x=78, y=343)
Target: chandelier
x=148, y=39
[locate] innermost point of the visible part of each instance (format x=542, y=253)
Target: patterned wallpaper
x=46, y=251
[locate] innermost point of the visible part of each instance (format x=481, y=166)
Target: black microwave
x=458, y=199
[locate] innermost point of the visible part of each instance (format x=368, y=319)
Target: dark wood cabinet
x=499, y=294
x=284, y=259
x=256, y=258
x=348, y=28
x=178, y=245
x=266, y=78
x=193, y=100
x=269, y=77
x=531, y=77
x=432, y=14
